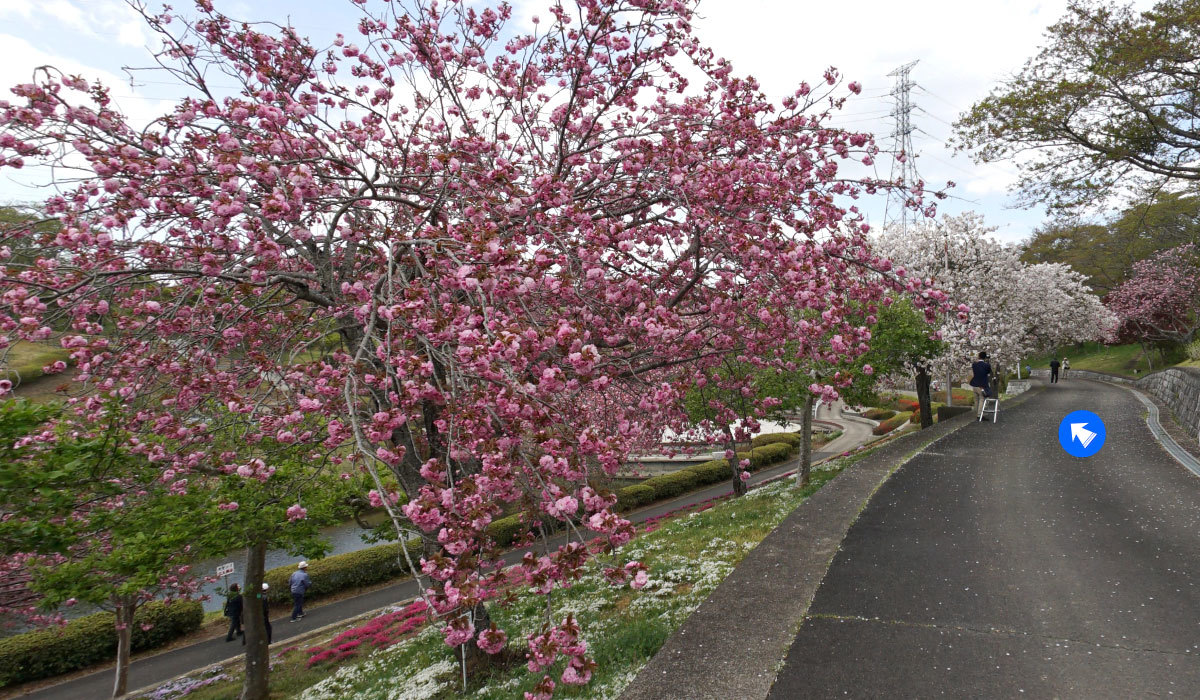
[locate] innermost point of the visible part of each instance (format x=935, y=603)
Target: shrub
x=908, y=404
x=879, y=413
x=791, y=439
x=91, y=639
x=1193, y=350
x=767, y=455
x=342, y=571
x=507, y=530
x=711, y=472
x=673, y=484
x=892, y=423
x=933, y=409
x=633, y=496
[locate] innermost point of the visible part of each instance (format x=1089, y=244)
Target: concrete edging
x=733, y=644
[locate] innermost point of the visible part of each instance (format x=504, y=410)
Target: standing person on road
x=981, y=372
x=1054, y=371
x=299, y=583
x=1066, y=366
x=233, y=610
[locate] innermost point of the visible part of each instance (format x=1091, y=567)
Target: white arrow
x=1083, y=435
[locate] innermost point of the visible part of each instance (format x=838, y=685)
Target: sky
x=963, y=50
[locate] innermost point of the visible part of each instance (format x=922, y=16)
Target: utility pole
x=904, y=174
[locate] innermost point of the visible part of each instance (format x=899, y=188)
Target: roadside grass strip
x=688, y=555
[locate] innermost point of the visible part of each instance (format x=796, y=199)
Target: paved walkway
x=991, y=564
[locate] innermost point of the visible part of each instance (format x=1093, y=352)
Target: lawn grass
x=1123, y=360
x=23, y=361
x=687, y=556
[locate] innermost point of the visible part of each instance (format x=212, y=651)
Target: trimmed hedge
x=673, y=484
x=90, y=640
x=341, y=571
x=791, y=439
x=633, y=496
x=505, y=531
x=892, y=423
x=711, y=472
x=879, y=413
x=767, y=455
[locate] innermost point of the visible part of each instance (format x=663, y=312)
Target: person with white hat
x=299, y=582
x=266, y=612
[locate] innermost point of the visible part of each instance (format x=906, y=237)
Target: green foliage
x=791, y=439
x=344, y=571
x=633, y=496
x=1107, y=106
x=1106, y=252
x=23, y=361
x=711, y=472
x=892, y=423
x=767, y=455
x=120, y=528
x=879, y=413
x=673, y=484
x=1193, y=350
x=933, y=408
x=505, y=531
x=90, y=640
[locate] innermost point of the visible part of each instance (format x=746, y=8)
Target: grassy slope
x=1112, y=359
x=24, y=360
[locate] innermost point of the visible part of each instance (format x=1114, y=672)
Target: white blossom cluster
x=1015, y=309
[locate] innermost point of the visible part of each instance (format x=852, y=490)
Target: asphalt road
x=995, y=565
x=162, y=667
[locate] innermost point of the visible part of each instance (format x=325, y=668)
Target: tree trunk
x=805, y=443
x=478, y=660
x=126, y=606
x=1149, y=362
x=949, y=390
x=739, y=487
x=923, y=400
x=255, y=686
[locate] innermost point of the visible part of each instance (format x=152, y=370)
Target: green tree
x=1111, y=101
x=1106, y=252
x=92, y=523
x=277, y=496
x=902, y=343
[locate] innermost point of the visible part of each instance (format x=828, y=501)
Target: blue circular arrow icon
x=1081, y=433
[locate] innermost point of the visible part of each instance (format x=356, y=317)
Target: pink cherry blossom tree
x=478, y=262
x=1160, y=302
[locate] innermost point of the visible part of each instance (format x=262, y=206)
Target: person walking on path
x=1054, y=371
x=299, y=582
x=266, y=606
x=981, y=372
x=1066, y=366
x=233, y=610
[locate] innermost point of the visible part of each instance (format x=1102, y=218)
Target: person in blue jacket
x=981, y=371
x=299, y=582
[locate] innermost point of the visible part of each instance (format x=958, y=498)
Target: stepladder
x=991, y=406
